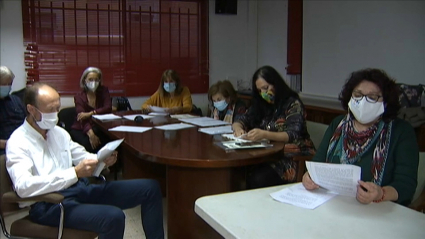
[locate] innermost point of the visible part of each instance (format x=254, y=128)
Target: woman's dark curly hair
x=388, y=87
x=260, y=108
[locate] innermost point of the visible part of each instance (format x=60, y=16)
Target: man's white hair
x=6, y=73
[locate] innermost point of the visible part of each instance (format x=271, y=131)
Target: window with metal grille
x=131, y=41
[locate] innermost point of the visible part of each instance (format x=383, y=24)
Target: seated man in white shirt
x=40, y=158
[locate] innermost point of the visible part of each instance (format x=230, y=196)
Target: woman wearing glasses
x=372, y=137
x=93, y=99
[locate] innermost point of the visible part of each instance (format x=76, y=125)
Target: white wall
x=238, y=44
x=340, y=37
x=11, y=41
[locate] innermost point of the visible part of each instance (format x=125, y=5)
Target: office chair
x=24, y=227
x=67, y=117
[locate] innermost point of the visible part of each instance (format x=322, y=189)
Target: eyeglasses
x=369, y=98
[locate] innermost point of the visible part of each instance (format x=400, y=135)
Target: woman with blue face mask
x=226, y=105
x=171, y=95
x=371, y=136
x=276, y=114
x=94, y=98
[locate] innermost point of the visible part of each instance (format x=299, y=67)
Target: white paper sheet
x=174, y=126
x=158, y=109
x=183, y=116
x=340, y=178
x=131, y=117
x=217, y=130
x=104, y=153
x=234, y=138
x=106, y=117
x=158, y=114
x=134, y=129
x=204, y=121
x=298, y=196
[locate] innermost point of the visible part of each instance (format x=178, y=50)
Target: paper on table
x=174, y=126
x=184, y=116
x=158, y=114
x=245, y=145
x=217, y=130
x=106, y=117
x=131, y=117
x=158, y=109
x=104, y=153
x=340, y=178
x=204, y=121
x=134, y=129
x=298, y=196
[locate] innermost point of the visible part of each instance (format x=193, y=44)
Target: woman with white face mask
x=171, y=95
x=93, y=99
x=372, y=137
x=225, y=102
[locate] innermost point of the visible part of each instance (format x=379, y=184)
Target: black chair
x=67, y=117
x=196, y=111
x=121, y=104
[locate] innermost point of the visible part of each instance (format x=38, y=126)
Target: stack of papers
x=245, y=145
x=134, y=129
x=104, y=153
x=183, y=116
x=339, y=178
x=174, y=126
x=158, y=114
x=131, y=117
x=217, y=130
x=106, y=117
x=204, y=121
x=158, y=109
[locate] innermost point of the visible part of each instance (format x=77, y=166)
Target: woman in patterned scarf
x=276, y=114
x=372, y=137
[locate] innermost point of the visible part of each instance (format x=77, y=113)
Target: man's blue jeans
x=98, y=207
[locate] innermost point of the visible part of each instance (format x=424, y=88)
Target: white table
x=254, y=214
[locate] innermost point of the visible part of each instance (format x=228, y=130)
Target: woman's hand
x=94, y=140
x=238, y=131
x=84, y=115
x=367, y=192
x=256, y=134
x=308, y=183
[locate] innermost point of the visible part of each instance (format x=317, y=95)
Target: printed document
x=183, y=116
x=204, y=121
x=106, y=117
x=133, y=129
x=174, y=126
x=217, y=130
x=104, y=153
x=339, y=178
x=158, y=109
x=298, y=196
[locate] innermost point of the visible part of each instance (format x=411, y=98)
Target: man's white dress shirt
x=37, y=166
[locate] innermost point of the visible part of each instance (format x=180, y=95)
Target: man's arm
x=20, y=166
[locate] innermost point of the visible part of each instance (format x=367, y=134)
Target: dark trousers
x=83, y=139
x=98, y=207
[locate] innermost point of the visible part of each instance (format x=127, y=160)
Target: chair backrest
x=316, y=131
x=421, y=176
x=5, y=186
x=196, y=111
x=121, y=103
x=67, y=117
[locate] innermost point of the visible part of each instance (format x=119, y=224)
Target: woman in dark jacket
x=276, y=114
x=93, y=99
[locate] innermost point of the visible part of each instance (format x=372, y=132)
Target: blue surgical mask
x=170, y=87
x=220, y=105
x=5, y=90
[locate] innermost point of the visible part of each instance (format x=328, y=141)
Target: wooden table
x=254, y=214
x=188, y=165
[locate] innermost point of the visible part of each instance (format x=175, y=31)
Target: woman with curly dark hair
x=276, y=114
x=372, y=137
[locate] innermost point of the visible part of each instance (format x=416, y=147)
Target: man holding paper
x=40, y=158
